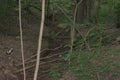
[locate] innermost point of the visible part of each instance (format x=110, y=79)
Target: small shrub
x=54, y=74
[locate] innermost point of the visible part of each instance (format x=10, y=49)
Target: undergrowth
x=100, y=63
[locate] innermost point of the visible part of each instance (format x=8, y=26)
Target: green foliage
x=103, y=11
x=54, y=74
x=95, y=37
x=117, y=12
x=80, y=66
x=69, y=56
x=66, y=5
x=106, y=12
x=63, y=25
x=87, y=65
x=6, y=7
x=56, y=6
x=117, y=64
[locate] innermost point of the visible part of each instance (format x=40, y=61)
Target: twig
x=21, y=39
x=84, y=39
x=64, y=13
x=71, y=21
x=40, y=41
x=35, y=55
x=72, y=33
x=80, y=2
x=43, y=63
x=43, y=51
x=40, y=59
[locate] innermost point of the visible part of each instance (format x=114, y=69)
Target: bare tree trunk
x=40, y=41
x=95, y=11
x=87, y=11
x=21, y=39
x=80, y=16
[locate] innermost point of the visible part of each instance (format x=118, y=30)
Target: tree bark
x=87, y=11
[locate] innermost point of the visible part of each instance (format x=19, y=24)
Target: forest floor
x=30, y=35
x=30, y=46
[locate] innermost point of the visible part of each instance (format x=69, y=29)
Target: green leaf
x=63, y=25
x=69, y=56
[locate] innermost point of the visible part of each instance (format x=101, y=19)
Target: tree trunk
x=87, y=11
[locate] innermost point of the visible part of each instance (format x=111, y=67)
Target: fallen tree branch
x=41, y=59
x=43, y=63
x=44, y=51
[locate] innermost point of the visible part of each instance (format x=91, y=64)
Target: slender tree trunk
x=40, y=41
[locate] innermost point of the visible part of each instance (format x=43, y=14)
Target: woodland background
x=81, y=39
